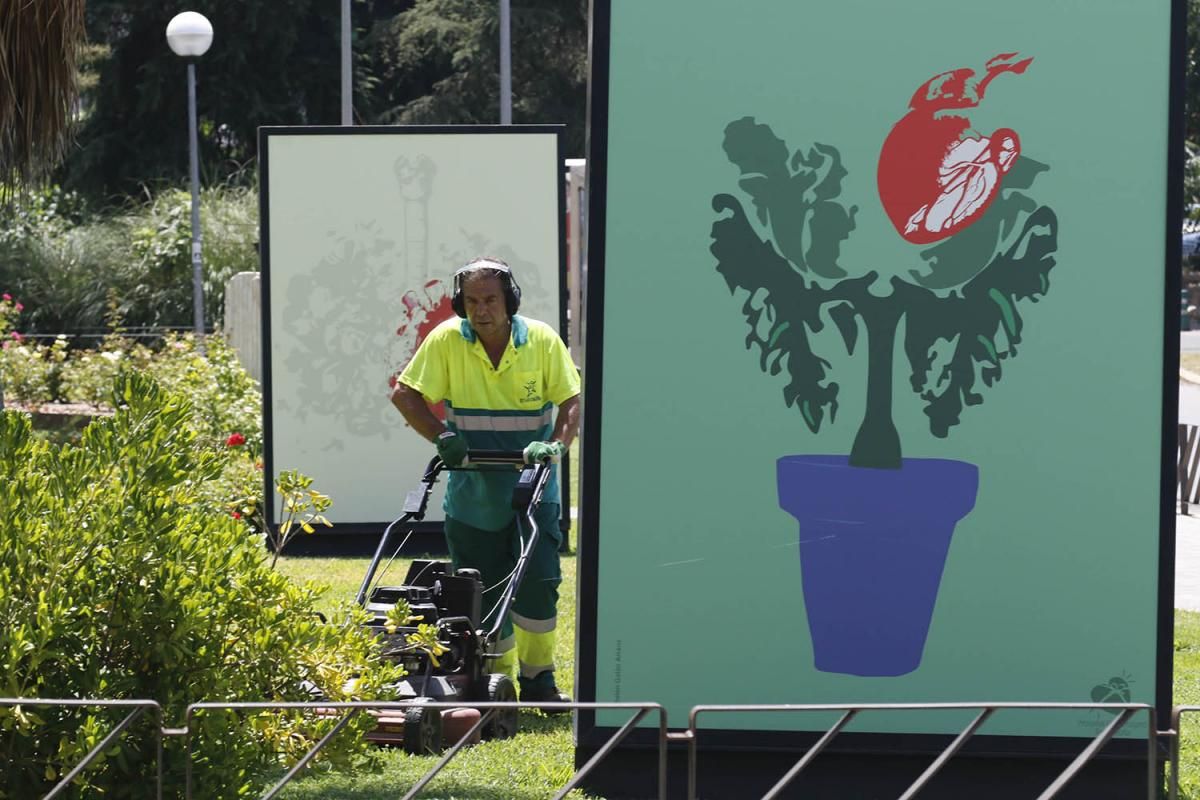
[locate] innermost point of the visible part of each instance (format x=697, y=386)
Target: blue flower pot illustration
x=873, y=543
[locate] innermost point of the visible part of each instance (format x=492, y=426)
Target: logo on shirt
x=531, y=392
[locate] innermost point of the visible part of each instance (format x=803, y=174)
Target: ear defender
x=512, y=292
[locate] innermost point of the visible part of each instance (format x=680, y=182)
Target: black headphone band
x=483, y=263
x=512, y=291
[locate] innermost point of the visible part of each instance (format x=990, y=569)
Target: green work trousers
x=535, y=607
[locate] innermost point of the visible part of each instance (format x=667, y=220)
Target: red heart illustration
x=421, y=315
x=936, y=175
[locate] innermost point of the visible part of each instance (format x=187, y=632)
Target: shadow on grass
x=537, y=722
x=534, y=765
x=375, y=788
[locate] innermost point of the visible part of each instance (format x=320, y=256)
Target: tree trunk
x=877, y=444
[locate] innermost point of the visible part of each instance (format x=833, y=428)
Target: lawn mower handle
x=417, y=500
x=526, y=498
x=478, y=458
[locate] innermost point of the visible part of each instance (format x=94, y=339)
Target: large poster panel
x=362, y=231
x=876, y=336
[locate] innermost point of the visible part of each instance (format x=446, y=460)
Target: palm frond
x=40, y=44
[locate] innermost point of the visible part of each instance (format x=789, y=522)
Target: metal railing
x=1123, y=712
x=641, y=711
x=1176, y=733
x=148, y=332
x=137, y=708
x=1188, y=467
x=346, y=711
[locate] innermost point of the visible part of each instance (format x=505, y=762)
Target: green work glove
x=452, y=448
x=536, y=452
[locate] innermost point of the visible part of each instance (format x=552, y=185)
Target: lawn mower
x=456, y=668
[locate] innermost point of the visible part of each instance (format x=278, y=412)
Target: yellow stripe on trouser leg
x=535, y=650
x=535, y=609
x=506, y=664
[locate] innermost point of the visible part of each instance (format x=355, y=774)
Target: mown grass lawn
x=534, y=764
x=1187, y=692
x=538, y=761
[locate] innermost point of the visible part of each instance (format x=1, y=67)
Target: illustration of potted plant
x=875, y=526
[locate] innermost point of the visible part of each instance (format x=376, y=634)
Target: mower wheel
x=504, y=721
x=422, y=731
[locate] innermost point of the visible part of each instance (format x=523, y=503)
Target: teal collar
x=520, y=331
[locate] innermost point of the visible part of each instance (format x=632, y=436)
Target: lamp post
x=189, y=35
x=505, y=63
x=347, y=67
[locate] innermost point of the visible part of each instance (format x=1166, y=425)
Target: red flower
x=235, y=440
x=16, y=336
x=20, y=307
x=236, y=515
x=6, y=296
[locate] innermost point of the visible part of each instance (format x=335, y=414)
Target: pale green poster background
x=357, y=223
x=1050, y=585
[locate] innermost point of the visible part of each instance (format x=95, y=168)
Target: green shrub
x=88, y=375
x=225, y=399
x=48, y=210
x=64, y=258
x=28, y=371
x=229, y=223
x=122, y=577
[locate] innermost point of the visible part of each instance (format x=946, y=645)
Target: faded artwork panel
x=366, y=231
x=890, y=272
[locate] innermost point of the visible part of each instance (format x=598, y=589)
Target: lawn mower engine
x=452, y=602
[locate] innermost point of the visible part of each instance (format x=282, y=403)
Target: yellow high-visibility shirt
x=494, y=408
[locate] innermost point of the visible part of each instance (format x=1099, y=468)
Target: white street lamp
x=189, y=35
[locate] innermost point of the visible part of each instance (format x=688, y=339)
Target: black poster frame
x=590, y=736
x=364, y=535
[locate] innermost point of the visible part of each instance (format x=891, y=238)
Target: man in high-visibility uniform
x=501, y=376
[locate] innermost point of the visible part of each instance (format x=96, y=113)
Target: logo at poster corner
x=875, y=526
x=1114, y=690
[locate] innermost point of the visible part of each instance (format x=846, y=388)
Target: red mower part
x=455, y=724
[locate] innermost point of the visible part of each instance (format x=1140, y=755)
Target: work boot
x=543, y=690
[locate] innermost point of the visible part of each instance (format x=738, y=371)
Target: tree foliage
x=1192, y=72
x=439, y=63
x=1191, y=175
x=277, y=62
x=271, y=63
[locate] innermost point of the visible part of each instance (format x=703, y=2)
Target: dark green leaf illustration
x=846, y=320
x=983, y=322
x=796, y=198
x=782, y=309
x=790, y=274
